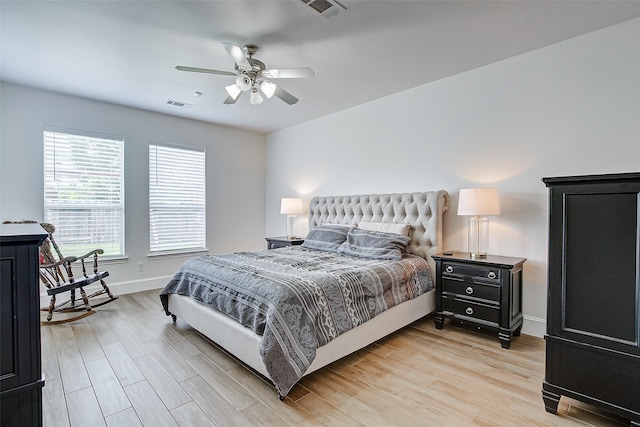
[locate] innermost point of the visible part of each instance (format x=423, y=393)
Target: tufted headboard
x=423, y=211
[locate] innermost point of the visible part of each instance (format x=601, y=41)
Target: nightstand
x=281, y=242
x=486, y=292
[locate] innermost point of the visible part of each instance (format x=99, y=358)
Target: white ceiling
x=125, y=52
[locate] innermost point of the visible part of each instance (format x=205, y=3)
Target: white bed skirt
x=244, y=344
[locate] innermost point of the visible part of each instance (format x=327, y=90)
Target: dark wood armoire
x=21, y=378
x=593, y=298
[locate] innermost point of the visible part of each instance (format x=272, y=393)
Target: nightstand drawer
x=274, y=244
x=281, y=242
x=484, y=273
x=477, y=290
x=475, y=310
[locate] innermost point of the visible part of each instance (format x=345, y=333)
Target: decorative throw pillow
x=374, y=244
x=387, y=227
x=326, y=237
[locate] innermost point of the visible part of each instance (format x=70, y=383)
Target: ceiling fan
x=253, y=76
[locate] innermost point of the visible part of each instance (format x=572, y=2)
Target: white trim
x=177, y=253
x=534, y=326
x=83, y=133
x=120, y=288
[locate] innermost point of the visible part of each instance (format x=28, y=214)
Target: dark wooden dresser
x=21, y=378
x=593, y=318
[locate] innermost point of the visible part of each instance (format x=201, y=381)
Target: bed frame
x=423, y=211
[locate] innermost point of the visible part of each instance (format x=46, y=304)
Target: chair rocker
x=57, y=275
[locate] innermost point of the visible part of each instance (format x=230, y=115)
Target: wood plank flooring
x=129, y=365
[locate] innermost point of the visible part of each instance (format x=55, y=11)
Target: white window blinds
x=84, y=190
x=177, y=216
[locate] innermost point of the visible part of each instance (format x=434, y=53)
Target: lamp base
x=477, y=256
x=478, y=237
x=290, y=234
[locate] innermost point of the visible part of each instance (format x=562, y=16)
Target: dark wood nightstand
x=282, y=241
x=486, y=292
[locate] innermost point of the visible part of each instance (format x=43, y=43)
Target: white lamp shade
x=479, y=201
x=268, y=88
x=290, y=206
x=256, y=98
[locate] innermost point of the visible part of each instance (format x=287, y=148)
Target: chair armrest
x=93, y=252
x=65, y=260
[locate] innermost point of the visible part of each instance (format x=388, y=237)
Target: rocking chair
x=57, y=275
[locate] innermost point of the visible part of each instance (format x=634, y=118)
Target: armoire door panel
x=600, y=276
x=600, y=374
x=7, y=324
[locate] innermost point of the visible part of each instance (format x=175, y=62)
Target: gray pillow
x=326, y=238
x=374, y=244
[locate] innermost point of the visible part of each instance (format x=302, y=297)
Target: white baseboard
x=119, y=288
x=531, y=326
x=534, y=326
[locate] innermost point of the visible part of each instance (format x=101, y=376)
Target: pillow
x=387, y=227
x=374, y=244
x=326, y=237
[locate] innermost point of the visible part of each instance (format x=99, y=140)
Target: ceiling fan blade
x=204, y=70
x=231, y=100
x=285, y=96
x=289, y=73
x=237, y=54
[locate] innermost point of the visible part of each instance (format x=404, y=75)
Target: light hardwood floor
x=129, y=365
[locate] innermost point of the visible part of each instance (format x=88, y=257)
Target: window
x=177, y=216
x=84, y=190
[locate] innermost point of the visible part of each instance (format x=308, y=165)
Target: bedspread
x=298, y=299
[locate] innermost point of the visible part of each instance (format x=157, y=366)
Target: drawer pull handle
x=491, y=275
x=469, y=311
x=449, y=269
x=469, y=290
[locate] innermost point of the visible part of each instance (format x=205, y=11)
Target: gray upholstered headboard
x=423, y=211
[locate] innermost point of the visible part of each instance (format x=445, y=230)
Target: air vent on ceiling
x=326, y=8
x=179, y=103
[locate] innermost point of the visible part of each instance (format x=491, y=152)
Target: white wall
x=235, y=173
x=567, y=109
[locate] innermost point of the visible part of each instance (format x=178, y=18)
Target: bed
x=383, y=274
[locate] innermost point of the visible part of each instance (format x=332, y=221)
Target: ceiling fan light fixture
x=251, y=74
x=234, y=91
x=256, y=98
x=268, y=88
x=244, y=82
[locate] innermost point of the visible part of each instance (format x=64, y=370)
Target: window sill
x=178, y=253
x=113, y=260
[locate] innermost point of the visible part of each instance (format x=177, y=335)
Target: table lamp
x=478, y=202
x=290, y=206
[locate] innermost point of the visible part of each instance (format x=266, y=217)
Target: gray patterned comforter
x=298, y=299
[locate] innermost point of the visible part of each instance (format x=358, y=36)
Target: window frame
x=157, y=250
x=101, y=179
